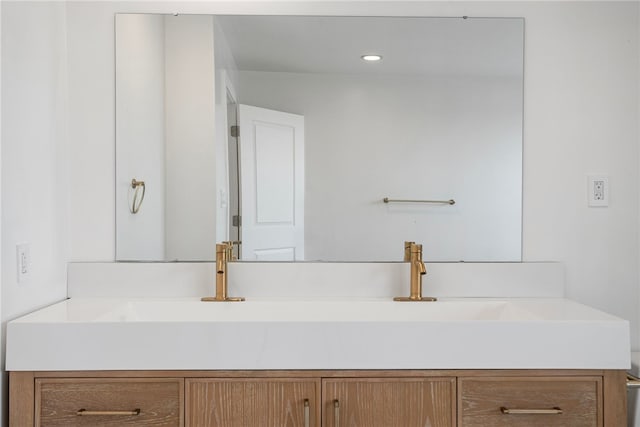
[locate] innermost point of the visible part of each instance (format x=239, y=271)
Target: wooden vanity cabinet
x=239, y=402
x=402, y=398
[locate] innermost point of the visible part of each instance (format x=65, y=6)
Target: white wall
x=581, y=109
x=404, y=137
x=581, y=114
x=140, y=130
x=35, y=157
x=34, y=153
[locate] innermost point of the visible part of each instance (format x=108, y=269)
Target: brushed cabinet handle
x=336, y=413
x=553, y=411
x=306, y=413
x=84, y=412
x=632, y=381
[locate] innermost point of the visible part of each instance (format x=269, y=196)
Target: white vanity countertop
x=187, y=334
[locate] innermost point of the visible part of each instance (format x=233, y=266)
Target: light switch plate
x=598, y=190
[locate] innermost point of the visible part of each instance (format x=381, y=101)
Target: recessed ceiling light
x=371, y=58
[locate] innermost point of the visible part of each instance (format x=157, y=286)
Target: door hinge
x=235, y=131
x=236, y=220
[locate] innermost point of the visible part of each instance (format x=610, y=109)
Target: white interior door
x=272, y=184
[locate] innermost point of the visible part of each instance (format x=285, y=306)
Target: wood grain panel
x=390, y=402
x=615, y=399
x=242, y=402
x=481, y=399
x=159, y=401
x=21, y=399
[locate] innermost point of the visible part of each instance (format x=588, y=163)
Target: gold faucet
x=224, y=254
x=413, y=255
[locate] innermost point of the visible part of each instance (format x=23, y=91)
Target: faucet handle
x=416, y=256
x=230, y=244
x=407, y=250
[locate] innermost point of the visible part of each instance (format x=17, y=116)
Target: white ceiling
x=435, y=46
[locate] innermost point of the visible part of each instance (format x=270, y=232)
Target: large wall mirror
x=277, y=131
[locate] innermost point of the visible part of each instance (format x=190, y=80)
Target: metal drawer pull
x=336, y=413
x=553, y=411
x=442, y=202
x=306, y=413
x=632, y=381
x=84, y=412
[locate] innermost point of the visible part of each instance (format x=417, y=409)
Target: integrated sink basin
x=310, y=311
x=184, y=333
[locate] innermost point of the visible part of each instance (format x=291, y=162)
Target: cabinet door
x=388, y=402
x=531, y=401
x=109, y=402
x=253, y=402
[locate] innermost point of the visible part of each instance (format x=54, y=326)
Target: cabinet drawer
x=530, y=401
x=109, y=402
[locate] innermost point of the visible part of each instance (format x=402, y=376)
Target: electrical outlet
x=23, y=253
x=598, y=190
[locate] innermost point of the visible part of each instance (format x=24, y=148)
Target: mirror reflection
x=276, y=132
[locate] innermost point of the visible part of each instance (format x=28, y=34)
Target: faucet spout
x=220, y=264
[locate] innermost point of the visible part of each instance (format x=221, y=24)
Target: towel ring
x=135, y=205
